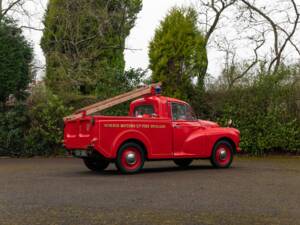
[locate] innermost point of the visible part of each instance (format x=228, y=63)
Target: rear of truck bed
x=106, y=134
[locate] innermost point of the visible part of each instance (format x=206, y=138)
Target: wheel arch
x=229, y=140
x=132, y=136
x=136, y=141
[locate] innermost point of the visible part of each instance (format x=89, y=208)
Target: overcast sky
x=148, y=20
x=140, y=36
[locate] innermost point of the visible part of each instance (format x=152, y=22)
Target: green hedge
x=35, y=128
x=267, y=113
x=13, y=125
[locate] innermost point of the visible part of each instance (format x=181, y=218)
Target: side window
x=139, y=111
x=182, y=112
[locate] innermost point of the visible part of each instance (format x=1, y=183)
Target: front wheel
x=183, y=162
x=130, y=158
x=222, y=154
x=96, y=165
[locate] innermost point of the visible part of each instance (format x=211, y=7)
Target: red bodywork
x=162, y=136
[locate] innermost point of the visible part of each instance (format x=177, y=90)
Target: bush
x=33, y=129
x=266, y=112
x=13, y=125
x=46, y=114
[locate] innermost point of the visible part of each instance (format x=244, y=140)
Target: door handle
x=176, y=126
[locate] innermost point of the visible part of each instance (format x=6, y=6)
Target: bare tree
x=19, y=10
x=213, y=10
x=281, y=36
x=10, y=5
x=234, y=70
x=210, y=15
x=257, y=24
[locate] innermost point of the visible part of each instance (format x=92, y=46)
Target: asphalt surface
x=63, y=191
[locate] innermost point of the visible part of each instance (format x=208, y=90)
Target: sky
x=152, y=13
x=148, y=20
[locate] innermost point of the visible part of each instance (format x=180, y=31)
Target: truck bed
x=106, y=133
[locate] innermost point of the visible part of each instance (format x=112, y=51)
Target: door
x=157, y=130
x=185, y=130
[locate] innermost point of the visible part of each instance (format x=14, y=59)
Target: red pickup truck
x=157, y=128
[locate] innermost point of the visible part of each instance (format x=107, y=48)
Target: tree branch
x=271, y=22
x=277, y=60
x=218, y=13
x=255, y=61
x=5, y=11
x=32, y=28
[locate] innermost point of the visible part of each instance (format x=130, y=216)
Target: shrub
x=13, y=125
x=46, y=114
x=266, y=112
x=33, y=129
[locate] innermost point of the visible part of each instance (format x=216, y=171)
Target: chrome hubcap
x=130, y=158
x=223, y=154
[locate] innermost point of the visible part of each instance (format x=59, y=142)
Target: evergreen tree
x=178, y=56
x=15, y=61
x=84, y=42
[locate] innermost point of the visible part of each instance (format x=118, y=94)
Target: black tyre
x=183, y=162
x=131, y=158
x=222, y=154
x=96, y=165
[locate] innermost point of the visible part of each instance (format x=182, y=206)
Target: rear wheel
x=183, y=162
x=96, y=165
x=131, y=158
x=222, y=154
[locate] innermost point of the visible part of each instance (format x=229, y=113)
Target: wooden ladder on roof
x=102, y=105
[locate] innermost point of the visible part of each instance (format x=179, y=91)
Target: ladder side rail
x=113, y=103
x=116, y=98
x=100, y=106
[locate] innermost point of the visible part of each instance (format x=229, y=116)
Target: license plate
x=80, y=153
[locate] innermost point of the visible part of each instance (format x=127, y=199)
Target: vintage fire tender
x=157, y=128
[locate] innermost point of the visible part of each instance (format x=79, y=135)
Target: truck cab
x=157, y=128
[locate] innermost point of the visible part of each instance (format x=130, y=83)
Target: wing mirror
x=229, y=123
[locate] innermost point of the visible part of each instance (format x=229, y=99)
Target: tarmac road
x=63, y=191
